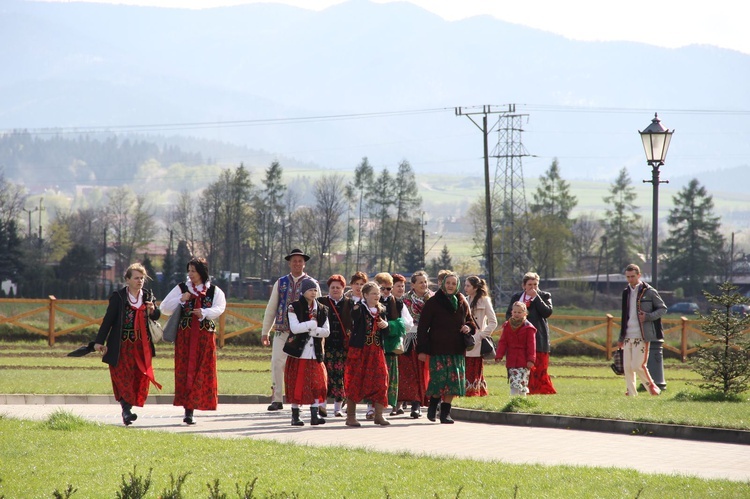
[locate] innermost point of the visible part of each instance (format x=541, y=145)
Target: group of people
x=126, y=343
x=375, y=343
x=382, y=345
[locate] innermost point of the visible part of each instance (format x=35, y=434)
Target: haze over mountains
x=228, y=73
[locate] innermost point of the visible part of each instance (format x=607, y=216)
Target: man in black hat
x=285, y=291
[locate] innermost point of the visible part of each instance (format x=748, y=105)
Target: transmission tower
x=509, y=203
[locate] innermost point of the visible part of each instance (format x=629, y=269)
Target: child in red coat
x=518, y=341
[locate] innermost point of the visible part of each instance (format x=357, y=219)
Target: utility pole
x=485, y=111
x=41, y=209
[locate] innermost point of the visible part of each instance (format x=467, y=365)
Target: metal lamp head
x=656, y=140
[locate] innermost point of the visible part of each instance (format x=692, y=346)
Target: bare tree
x=183, y=220
x=585, y=232
x=12, y=198
x=132, y=225
x=330, y=204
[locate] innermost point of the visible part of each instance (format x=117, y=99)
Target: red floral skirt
x=539, y=381
x=306, y=381
x=476, y=386
x=414, y=375
x=366, y=375
x=195, y=383
x=128, y=382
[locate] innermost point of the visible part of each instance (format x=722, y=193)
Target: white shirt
x=633, y=327
x=310, y=327
x=173, y=301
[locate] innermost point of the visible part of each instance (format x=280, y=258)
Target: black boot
x=445, y=413
x=416, y=410
x=127, y=416
x=314, y=419
x=188, y=419
x=296, y=421
x=432, y=409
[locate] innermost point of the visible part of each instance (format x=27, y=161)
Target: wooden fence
x=236, y=320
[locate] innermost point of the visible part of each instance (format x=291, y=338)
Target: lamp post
x=656, y=141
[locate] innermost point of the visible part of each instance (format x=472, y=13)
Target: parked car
x=683, y=307
x=741, y=309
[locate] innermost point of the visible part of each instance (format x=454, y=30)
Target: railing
x=236, y=321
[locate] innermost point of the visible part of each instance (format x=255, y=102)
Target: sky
x=664, y=23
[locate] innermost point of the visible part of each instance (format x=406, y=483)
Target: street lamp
x=656, y=141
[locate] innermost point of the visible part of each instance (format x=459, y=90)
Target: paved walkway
x=480, y=441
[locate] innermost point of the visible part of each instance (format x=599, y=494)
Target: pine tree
x=620, y=222
x=724, y=362
x=550, y=222
x=694, y=246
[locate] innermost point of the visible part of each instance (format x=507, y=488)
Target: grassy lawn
x=94, y=458
x=586, y=386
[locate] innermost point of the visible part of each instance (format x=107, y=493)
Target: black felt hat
x=296, y=252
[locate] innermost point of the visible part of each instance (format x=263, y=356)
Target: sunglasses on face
x=385, y=289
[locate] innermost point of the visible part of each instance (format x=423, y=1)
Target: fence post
x=683, y=340
x=51, y=322
x=610, y=323
x=222, y=326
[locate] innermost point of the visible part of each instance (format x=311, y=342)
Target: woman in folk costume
x=305, y=375
x=518, y=345
x=126, y=344
x=358, y=280
x=486, y=322
x=403, y=323
x=199, y=304
x=446, y=319
x=414, y=375
x=365, y=373
x=337, y=343
x=539, y=306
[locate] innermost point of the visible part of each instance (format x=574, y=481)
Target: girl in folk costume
x=199, y=303
x=518, y=341
x=365, y=373
x=414, y=375
x=337, y=343
x=126, y=344
x=358, y=280
x=305, y=374
x=486, y=322
x=446, y=319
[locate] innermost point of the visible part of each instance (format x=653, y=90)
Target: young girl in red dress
x=365, y=372
x=518, y=341
x=305, y=375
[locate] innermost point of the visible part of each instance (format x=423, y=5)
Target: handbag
x=488, y=348
x=295, y=344
x=156, y=331
x=394, y=341
x=170, y=328
x=617, y=363
x=468, y=340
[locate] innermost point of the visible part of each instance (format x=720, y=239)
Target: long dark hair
x=480, y=285
x=201, y=266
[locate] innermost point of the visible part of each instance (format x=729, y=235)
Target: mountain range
x=364, y=79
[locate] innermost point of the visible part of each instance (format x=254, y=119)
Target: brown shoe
x=379, y=419
x=351, y=415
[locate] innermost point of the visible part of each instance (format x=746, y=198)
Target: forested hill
x=63, y=162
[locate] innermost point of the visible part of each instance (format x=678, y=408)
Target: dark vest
x=303, y=315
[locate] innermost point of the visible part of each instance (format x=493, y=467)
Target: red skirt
x=366, y=375
x=539, y=381
x=476, y=386
x=128, y=382
x=414, y=375
x=195, y=383
x=306, y=381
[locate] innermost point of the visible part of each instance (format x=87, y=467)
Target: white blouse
x=173, y=301
x=310, y=327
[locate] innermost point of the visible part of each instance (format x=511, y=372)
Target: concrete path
x=480, y=441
